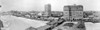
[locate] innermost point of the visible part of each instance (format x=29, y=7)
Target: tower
x=66, y=12
x=73, y=11
x=47, y=9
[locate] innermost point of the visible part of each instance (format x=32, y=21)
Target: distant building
x=56, y=13
x=47, y=10
x=70, y=11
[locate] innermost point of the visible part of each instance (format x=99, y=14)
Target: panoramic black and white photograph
x=49, y=14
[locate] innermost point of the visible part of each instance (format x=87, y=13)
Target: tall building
x=47, y=9
x=66, y=8
x=73, y=11
x=66, y=12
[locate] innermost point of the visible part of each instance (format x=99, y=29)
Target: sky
x=38, y=5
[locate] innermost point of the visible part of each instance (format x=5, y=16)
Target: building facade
x=73, y=11
x=47, y=10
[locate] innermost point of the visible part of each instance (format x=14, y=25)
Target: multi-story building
x=47, y=10
x=73, y=11
x=70, y=11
